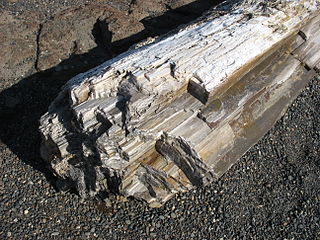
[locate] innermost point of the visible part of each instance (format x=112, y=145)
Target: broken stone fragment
x=178, y=112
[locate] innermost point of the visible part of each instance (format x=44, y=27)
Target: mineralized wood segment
x=177, y=112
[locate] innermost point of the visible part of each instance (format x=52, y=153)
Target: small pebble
x=173, y=215
x=128, y=222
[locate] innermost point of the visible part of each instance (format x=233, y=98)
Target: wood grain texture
x=176, y=112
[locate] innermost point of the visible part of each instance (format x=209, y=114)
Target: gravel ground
x=273, y=192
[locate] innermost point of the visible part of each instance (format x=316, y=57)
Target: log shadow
x=22, y=105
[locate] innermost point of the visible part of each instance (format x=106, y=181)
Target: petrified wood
x=176, y=112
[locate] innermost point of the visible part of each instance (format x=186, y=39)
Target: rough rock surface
x=18, y=37
x=177, y=113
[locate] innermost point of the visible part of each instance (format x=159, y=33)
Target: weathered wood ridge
x=177, y=112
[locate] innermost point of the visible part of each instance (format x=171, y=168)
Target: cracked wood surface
x=178, y=111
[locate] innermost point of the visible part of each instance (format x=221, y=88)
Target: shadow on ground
x=22, y=105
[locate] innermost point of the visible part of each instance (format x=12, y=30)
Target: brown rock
x=18, y=37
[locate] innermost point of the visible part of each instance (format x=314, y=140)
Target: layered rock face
x=176, y=112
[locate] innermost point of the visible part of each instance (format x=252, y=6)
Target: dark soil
x=273, y=192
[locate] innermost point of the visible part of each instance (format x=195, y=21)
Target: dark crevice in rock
x=198, y=91
x=113, y=180
x=172, y=69
x=38, y=47
x=75, y=48
x=152, y=177
x=132, y=2
x=303, y=35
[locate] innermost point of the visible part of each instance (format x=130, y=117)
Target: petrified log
x=177, y=112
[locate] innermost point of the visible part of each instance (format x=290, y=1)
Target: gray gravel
x=273, y=192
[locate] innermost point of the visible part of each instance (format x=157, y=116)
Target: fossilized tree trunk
x=178, y=112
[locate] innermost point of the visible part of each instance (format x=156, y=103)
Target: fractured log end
x=178, y=113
